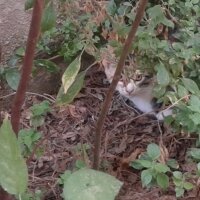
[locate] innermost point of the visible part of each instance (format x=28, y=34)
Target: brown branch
x=27, y=64
x=116, y=78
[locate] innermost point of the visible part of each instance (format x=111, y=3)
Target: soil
x=67, y=130
x=14, y=26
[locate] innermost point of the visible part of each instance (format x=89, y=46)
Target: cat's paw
x=164, y=113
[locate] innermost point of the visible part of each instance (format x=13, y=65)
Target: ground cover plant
x=162, y=158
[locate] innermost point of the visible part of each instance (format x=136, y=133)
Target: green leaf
x=162, y=180
x=64, y=99
x=12, y=78
x=159, y=167
x=194, y=104
x=191, y=85
x=71, y=73
x=91, y=185
x=153, y=151
x=14, y=173
x=182, y=92
x=40, y=109
x=146, y=177
x=179, y=191
x=188, y=185
x=47, y=64
x=177, y=175
x=29, y=4
x=136, y=165
x=145, y=163
x=173, y=163
x=48, y=17
x=162, y=75
x=195, y=118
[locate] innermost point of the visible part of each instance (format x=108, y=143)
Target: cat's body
x=135, y=86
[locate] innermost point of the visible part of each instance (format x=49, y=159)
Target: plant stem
x=34, y=32
x=116, y=78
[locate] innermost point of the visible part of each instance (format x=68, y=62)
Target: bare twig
x=116, y=78
x=27, y=64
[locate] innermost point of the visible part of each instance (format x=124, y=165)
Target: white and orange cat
x=134, y=85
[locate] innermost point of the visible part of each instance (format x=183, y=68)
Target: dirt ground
x=14, y=26
x=66, y=131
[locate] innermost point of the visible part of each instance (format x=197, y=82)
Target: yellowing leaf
x=13, y=169
x=63, y=98
x=71, y=73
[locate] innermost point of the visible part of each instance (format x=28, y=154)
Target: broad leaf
x=188, y=185
x=179, y=191
x=63, y=98
x=12, y=78
x=145, y=163
x=48, y=18
x=146, y=177
x=191, y=85
x=177, y=175
x=195, y=118
x=162, y=75
x=162, y=181
x=161, y=168
x=194, y=104
x=14, y=173
x=153, y=151
x=91, y=185
x=71, y=73
x=47, y=64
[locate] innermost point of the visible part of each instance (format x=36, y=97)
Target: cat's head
x=132, y=81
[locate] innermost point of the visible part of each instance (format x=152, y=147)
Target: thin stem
x=116, y=78
x=27, y=64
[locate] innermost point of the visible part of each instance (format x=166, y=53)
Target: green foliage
x=38, y=111
x=180, y=183
x=72, y=82
x=155, y=172
x=91, y=184
x=38, y=195
x=27, y=140
x=48, y=17
x=14, y=172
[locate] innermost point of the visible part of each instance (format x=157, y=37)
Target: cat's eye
x=138, y=77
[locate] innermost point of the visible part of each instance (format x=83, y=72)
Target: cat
x=134, y=85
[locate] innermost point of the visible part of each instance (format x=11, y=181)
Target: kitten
x=135, y=86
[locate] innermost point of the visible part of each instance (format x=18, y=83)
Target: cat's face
x=132, y=81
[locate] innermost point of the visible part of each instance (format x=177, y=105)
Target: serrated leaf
x=162, y=180
x=191, y=85
x=12, y=78
x=162, y=75
x=75, y=88
x=48, y=17
x=153, y=151
x=14, y=173
x=71, y=73
x=29, y=4
x=159, y=167
x=90, y=184
x=146, y=177
x=47, y=64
